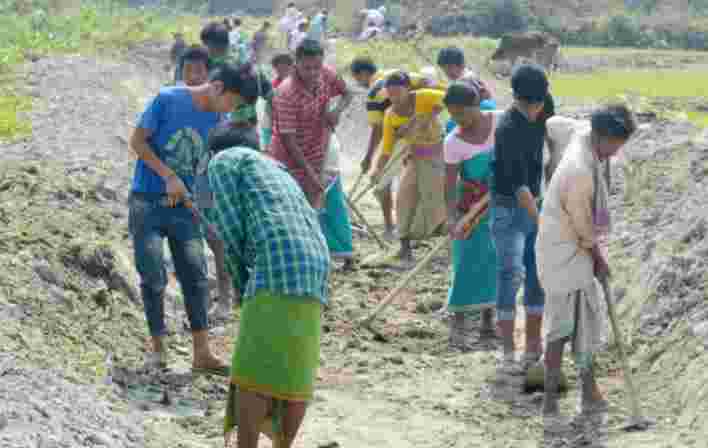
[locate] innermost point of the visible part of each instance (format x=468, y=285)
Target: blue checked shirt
x=271, y=234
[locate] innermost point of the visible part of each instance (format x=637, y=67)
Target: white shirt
x=374, y=17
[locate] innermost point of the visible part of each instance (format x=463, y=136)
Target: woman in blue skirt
x=468, y=151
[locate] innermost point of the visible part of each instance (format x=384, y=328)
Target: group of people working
x=483, y=159
x=295, y=26
x=274, y=213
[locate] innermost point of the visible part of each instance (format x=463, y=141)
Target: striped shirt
x=271, y=235
x=300, y=112
x=377, y=101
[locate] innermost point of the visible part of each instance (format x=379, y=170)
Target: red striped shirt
x=299, y=111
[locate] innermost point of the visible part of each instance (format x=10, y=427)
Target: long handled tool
x=388, y=170
x=356, y=185
x=636, y=422
x=471, y=218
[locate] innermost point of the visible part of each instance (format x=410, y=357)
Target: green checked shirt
x=271, y=234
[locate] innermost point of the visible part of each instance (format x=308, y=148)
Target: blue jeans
x=150, y=223
x=514, y=236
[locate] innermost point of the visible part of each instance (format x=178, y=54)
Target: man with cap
x=517, y=173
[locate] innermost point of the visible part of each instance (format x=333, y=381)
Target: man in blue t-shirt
x=170, y=143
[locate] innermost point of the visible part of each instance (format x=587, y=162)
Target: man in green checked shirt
x=279, y=261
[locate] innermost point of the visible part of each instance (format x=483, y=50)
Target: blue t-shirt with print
x=179, y=133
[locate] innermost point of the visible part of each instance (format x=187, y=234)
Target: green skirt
x=277, y=352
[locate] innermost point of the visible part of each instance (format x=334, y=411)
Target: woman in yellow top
x=413, y=120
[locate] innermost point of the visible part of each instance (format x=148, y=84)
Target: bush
x=623, y=31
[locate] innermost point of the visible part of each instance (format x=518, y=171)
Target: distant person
x=282, y=65
x=288, y=23
x=195, y=66
x=215, y=36
x=259, y=43
x=373, y=17
x=318, y=26
x=298, y=36
x=571, y=250
x=170, y=143
x=178, y=47
x=451, y=61
x=370, y=31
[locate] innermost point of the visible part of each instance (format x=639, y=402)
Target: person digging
x=574, y=226
x=169, y=141
x=279, y=260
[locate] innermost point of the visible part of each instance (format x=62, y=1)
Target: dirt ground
x=68, y=313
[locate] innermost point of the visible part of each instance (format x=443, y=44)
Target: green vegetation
x=11, y=105
x=669, y=93
x=98, y=27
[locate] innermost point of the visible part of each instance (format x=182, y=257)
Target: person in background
x=288, y=23
x=517, y=175
x=571, y=253
x=367, y=75
x=194, y=64
x=413, y=119
x=451, y=61
x=179, y=46
x=318, y=26
x=170, y=144
x=282, y=67
x=298, y=36
x=259, y=43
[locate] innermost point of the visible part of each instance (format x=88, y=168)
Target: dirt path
x=410, y=392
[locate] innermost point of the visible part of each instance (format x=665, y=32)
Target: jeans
x=514, y=237
x=150, y=223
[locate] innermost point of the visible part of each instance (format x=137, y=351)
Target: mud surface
x=68, y=300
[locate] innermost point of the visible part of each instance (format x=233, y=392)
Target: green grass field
x=100, y=28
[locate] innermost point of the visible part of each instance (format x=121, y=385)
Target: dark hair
x=363, y=64
x=196, y=53
x=242, y=80
x=291, y=4
x=451, y=56
x=215, y=35
x=225, y=137
x=309, y=48
x=236, y=22
x=399, y=78
x=614, y=120
x=529, y=83
x=462, y=93
x=282, y=58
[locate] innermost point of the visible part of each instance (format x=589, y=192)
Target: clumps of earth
x=40, y=408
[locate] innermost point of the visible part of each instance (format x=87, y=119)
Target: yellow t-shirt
x=426, y=101
x=377, y=101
